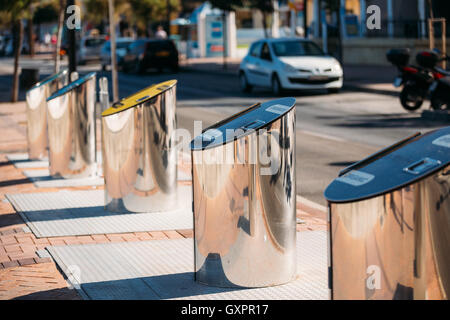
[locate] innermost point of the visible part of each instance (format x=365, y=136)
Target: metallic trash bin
x=244, y=198
x=71, y=129
x=36, y=102
x=139, y=154
x=390, y=222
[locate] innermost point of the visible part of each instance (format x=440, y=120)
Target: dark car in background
x=144, y=54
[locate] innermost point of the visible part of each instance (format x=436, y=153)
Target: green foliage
x=265, y=6
x=141, y=12
x=151, y=11
x=15, y=8
x=227, y=5
x=97, y=10
x=46, y=13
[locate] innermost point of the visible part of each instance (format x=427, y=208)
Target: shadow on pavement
x=54, y=294
x=388, y=121
x=8, y=183
x=168, y=286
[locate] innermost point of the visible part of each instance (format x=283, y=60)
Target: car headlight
x=337, y=67
x=288, y=68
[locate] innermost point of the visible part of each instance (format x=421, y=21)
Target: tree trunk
x=264, y=21
x=62, y=6
x=18, y=39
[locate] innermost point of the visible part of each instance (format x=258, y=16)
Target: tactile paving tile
x=163, y=269
x=42, y=179
x=21, y=161
x=69, y=213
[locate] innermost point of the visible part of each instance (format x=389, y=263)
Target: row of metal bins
x=389, y=214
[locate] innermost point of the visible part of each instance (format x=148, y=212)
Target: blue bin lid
x=48, y=79
x=249, y=120
x=392, y=168
x=72, y=85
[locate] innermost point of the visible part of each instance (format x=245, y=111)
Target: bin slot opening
x=141, y=99
x=211, y=135
x=379, y=154
x=422, y=165
x=253, y=125
x=117, y=104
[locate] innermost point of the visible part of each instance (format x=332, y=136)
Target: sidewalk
x=375, y=79
x=24, y=274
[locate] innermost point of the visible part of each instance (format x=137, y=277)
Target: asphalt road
x=333, y=130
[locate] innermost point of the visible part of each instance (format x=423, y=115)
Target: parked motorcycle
x=440, y=88
x=416, y=81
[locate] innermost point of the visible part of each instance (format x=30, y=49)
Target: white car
x=90, y=48
x=289, y=63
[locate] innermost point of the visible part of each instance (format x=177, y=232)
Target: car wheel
x=243, y=83
x=138, y=68
x=175, y=69
x=333, y=90
x=438, y=103
x=276, y=86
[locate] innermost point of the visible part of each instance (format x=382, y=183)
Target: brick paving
x=23, y=275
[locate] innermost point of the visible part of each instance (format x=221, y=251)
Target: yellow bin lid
x=139, y=97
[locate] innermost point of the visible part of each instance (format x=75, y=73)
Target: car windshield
x=296, y=48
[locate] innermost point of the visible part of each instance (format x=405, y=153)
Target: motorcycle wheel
x=410, y=99
x=438, y=104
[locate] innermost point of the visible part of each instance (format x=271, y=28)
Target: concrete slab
x=163, y=269
x=71, y=213
x=22, y=161
x=42, y=179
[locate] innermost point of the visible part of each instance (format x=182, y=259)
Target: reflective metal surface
x=36, y=102
x=71, y=129
x=245, y=218
x=432, y=238
x=395, y=245
x=373, y=247
x=139, y=154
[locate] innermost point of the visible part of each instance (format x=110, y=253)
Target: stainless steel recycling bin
x=36, y=102
x=390, y=222
x=71, y=129
x=139, y=154
x=244, y=198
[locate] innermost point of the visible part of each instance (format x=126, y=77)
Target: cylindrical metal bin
x=243, y=176
x=139, y=154
x=71, y=129
x=390, y=222
x=36, y=102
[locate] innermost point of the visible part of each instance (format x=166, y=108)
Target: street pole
x=168, y=17
x=112, y=33
x=72, y=44
x=305, y=18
